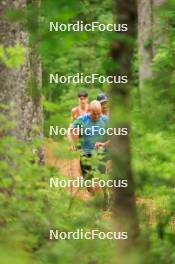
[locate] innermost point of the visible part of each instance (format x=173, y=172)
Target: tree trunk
x=145, y=51
x=13, y=82
x=124, y=204
x=16, y=90
x=150, y=35
x=158, y=27
x=37, y=75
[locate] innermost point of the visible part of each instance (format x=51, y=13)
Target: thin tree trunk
x=145, y=51
x=150, y=36
x=124, y=204
x=37, y=75
x=158, y=27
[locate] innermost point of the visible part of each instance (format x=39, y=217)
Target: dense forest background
x=29, y=105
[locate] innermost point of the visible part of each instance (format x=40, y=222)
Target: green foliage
x=12, y=57
x=153, y=156
x=73, y=52
x=29, y=208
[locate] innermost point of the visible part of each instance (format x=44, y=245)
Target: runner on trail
x=91, y=140
x=79, y=110
x=83, y=106
x=103, y=99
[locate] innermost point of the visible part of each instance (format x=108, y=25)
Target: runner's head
x=103, y=99
x=83, y=98
x=95, y=110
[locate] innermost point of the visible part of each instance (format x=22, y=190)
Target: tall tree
x=149, y=36
x=159, y=35
x=15, y=83
x=145, y=39
x=124, y=203
x=36, y=71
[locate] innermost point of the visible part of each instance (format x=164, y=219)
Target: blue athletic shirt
x=90, y=131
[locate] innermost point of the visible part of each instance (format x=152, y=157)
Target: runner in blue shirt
x=92, y=137
x=91, y=127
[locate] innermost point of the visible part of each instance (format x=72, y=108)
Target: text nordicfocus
x=82, y=234
x=81, y=78
x=81, y=182
x=80, y=26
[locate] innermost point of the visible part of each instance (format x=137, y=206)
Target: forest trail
x=71, y=169
x=68, y=168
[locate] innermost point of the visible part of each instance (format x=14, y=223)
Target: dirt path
x=71, y=169
x=68, y=168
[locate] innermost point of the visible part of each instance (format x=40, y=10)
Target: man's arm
x=102, y=144
x=73, y=112
x=73, y=133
